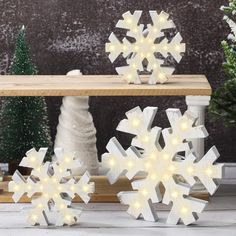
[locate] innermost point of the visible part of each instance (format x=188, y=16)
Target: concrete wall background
x=69, y=34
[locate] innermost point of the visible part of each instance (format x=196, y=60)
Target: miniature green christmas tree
x=223, y=103
x=24, y=119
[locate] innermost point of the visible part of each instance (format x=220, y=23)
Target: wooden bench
x=195, y=88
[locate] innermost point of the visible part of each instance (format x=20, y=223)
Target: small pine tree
x=223, y=102
x=24, y=119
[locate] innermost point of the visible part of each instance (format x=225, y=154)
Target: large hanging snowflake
x=163, y=165
x=51, y=187
x=149, y=42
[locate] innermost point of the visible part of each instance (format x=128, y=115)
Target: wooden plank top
x=101, y=85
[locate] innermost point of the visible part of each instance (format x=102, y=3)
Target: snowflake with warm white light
x=148, y=44
x=164, y=165
x=51, y=187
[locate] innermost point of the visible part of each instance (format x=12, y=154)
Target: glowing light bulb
x=137, y=205
x=134, y=66
x=153, y=176
x=16, y=188
x=40, y=205
x=111, y=162
x=165, y=48
x=34, y=217
x=161, y=76
x=144, y=192
x=154, y=47
x=155, y=30
x=45, y=180
x=209, y=171
x=174, y=194
x=136, y=48
x=153, y=156
x=38, y=169
x=129, y=21
x=41, y=187
x=59, y=188
x=148, y=55
x=60, y=170
x=165, y=156
x=166, y=177
x=29, y=187
x=130, y=164
x=72, y=188
x=67, y=160
x=135, y=30
x=45, y=195
x=68, y=218
x=172, y=168
x=155, y=66
x=190, y=169
x=142, y=41
x=125, y=48
x=136, y=122
x=184, y=126
x=129, y=76
x=85, y=188
x=175, y=141
x=112, y=48
x=145, y=139
x=162, y=19
x=184, y=210
x=148, y=165
x=62, y=206
x=54, y=180
x=33, y=159
x=178, y=48
x=142, y=55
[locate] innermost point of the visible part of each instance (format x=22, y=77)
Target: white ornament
x=76, y=131
x=147, y=44
x=162, y=165
x=51, y=187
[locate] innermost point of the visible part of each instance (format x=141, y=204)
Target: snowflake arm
x=34, y=159
x=125, y=162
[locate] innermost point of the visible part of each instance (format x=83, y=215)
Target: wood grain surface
x=101, y=85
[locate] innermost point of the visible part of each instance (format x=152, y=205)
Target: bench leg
x=197, y=105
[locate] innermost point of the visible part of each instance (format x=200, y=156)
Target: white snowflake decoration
x=51, y=187
x=162, y=165
x=148, y=42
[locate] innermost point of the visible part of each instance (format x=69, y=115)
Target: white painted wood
x=197, y=105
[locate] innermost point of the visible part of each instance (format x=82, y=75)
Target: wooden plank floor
x=111, y=219
x=101, y=85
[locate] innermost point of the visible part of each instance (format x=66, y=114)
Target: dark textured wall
x=69, y=34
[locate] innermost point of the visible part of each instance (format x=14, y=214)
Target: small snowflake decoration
x=51, y=187
x=162, y=165
x=148, y=43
